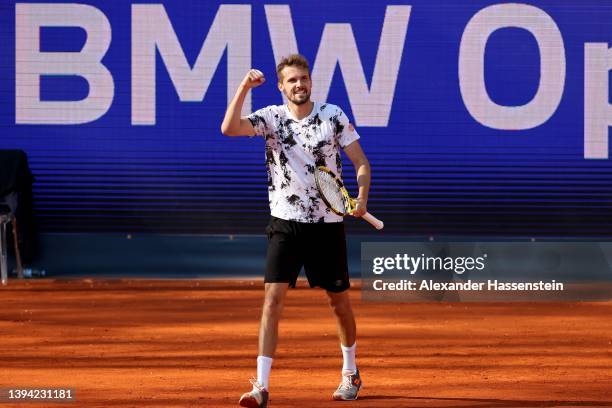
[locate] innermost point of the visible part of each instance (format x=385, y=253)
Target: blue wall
x=436, y=169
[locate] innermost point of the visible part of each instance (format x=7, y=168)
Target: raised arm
x=233, y=124
x=362, y=169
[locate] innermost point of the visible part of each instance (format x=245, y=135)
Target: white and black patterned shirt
x=293, y=149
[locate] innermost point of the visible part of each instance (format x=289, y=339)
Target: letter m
x=152, y=31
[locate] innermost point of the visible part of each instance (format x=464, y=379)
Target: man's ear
x=280, y=86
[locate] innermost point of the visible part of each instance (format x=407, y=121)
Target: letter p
x=597, y=109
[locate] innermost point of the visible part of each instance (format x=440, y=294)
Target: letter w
x=371, y=107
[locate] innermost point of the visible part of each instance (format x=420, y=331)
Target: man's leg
x=345, y=320
x=347, y=333
x=268, y=335
x=272, y=308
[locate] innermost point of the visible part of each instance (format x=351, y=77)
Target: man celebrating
x=302, y=231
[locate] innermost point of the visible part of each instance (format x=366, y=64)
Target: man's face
x=295, y=84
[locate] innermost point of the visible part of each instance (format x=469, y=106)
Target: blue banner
x=479, y=118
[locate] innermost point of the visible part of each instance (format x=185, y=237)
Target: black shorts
x=319, y=247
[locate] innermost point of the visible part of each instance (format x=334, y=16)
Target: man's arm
x=233, y=124
x=362, y=169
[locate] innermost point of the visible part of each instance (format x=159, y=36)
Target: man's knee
x=273, y=301
x=340, y=304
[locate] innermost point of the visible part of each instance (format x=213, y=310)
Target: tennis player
x=302, y=231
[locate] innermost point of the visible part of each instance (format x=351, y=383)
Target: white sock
x=348, y=355
x=264, y=365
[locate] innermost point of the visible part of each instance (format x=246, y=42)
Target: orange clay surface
x=193, y=343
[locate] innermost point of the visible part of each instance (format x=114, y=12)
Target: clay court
x=191, y=343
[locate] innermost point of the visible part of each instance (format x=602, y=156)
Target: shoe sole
x=339, y=398
x=248, y=402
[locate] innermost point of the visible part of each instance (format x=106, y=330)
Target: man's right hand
x=253, y=79
x=233, y=124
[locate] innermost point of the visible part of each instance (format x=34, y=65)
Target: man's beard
x=297, y=101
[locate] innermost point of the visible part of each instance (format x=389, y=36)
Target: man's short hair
x=293, y=60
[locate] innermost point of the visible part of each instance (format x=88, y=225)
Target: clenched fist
x=253, y=79
x=360, y=207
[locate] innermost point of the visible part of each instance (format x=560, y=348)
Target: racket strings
x=330, y=190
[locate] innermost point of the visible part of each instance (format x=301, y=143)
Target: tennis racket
x=337, y=198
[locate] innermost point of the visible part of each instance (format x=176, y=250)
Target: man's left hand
x=360, y=207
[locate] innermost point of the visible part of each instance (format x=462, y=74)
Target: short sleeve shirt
x=294, y=148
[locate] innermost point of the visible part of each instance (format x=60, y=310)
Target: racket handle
x=376, y=223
